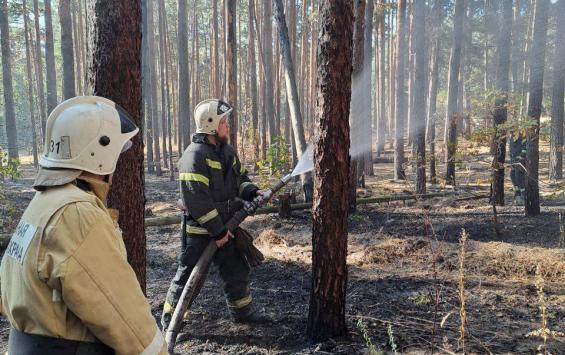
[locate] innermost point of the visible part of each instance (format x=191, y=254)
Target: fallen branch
x=167, y=220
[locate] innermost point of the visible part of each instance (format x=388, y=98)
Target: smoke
x=360, y=121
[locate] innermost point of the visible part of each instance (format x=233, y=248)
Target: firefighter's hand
x=262, y=193
x=226, y=238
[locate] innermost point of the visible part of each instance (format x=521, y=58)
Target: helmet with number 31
x=87, y=133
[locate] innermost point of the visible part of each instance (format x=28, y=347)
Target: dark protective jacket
x=211, y=179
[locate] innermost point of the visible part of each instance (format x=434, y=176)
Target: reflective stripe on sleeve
x=214, y=164
x=196, y=230
x=242, y=169
x=194, y=177
x=208, y=216
x=156, y=344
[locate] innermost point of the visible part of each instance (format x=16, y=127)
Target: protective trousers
x=231, y=264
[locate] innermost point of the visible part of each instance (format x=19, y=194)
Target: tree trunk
x=146, y=91
x=115, y=73
x=400, y=109
x=50, y=59
x=556, y=155
x=419, y=93
x=331, y=154
x=358, y=101
x=368, y=84
x=152, y=58
x=433, y=91
x=215, y=49
x=291, y=87
x=163, y=82
x=183, y=78
x=537, y=65
x=411, y=71
x=39, y=70
x=67, y=49
x=29, y=74
x=9, y=112
x=500, y=107
x=268, y=67
x=231, y=67
x=450, y=138
x=382, y=116
x=253, y=83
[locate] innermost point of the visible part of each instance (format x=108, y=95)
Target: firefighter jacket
x=65, y=274
x=211, y=179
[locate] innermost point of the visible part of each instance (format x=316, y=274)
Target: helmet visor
x=126, y=123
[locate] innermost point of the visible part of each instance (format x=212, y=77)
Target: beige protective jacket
x=65, y=275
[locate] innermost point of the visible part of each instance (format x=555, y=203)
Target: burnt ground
x=403, y=274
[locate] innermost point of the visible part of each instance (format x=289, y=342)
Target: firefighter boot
x=250, y=315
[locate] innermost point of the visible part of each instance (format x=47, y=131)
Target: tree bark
x=291, y=87
x=433, y=90
x=183, y=77
x=67, y=49
x=382, y=91
x=537, y=65
x=146, y=91
x=419, y=93
x=556, y=154
x=367, y=62
x=358, y=100
x=152, y=58
x=400, y=112
x=115, y=73
x=9, y=111
x=29, y=74
x=267, y=56
x=253, y=83
x=216, y=46
x=500, y=107
x=39, y=69
x=163, y=82
x=450, y=138
x=231, y=68
x=50, y=59
x=331, y=154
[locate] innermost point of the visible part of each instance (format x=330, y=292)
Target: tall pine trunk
x=9, y=111
x=433, y=90
x=39, y=70
x=419, y=105
x=268, y=67
x=115, y=73
x=400, y=104
x=231, y=67
x=67, y=49
x=532, y=205
x=500, y=107
x=50, y=59
x=450, y=137
x=183, y=77
x=326, y=317
x=556, y=155
x=29, y=74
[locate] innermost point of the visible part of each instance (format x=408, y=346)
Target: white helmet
x=87, y=133
x=208, y=114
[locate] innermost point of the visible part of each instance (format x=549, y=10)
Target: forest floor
x=403, y=272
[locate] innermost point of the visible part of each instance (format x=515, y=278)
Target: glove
x=244, y=243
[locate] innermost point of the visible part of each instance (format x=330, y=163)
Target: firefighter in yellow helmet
x=65, y=284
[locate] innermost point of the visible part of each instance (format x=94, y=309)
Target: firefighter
x=212, y=182
x=518, y=152
x=66, y=286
